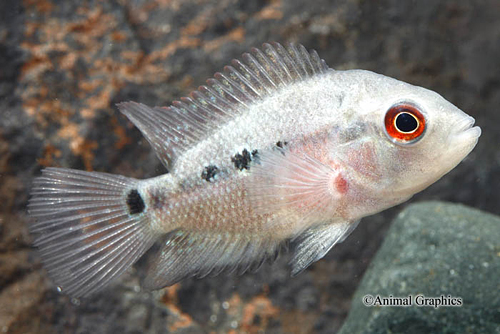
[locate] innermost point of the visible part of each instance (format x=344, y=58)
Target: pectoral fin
x=294, y=185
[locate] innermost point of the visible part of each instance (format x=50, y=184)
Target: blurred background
x=64, y=64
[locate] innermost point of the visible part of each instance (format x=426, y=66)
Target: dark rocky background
x=64, y=64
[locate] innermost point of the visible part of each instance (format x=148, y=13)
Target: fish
x=277, y=147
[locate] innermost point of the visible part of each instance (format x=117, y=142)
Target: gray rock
x=434, y=249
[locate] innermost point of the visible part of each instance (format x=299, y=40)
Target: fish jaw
x=463, y=141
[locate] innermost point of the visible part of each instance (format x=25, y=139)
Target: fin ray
x=124, y=261
x=293, y=184
x=83, y=229
x=49, y=248
x=315, y=242
x=186, y=254
x=73, y=256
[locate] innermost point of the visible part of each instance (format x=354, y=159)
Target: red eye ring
x=404, y=123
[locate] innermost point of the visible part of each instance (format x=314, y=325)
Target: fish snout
x=466, y=131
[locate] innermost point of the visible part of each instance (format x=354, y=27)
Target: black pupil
x=406, y=122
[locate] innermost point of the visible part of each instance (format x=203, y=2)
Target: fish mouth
x=461, y=143
x=465, y=138
x=467, y=130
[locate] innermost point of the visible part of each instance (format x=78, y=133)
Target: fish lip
x=473, y=132
x=466, y=128
x=466, y=124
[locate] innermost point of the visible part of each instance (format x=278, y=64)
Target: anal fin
x=187, y=254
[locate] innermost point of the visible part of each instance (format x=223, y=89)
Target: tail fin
x=89, y=227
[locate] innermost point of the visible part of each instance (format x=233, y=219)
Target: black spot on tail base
x=209, y=172
x=135, y=203
x=242, y=161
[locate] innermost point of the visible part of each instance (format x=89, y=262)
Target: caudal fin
x=89, y=227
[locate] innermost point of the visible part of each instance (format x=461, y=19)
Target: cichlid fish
x=276, y=147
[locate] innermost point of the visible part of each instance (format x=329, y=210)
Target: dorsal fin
x=172, y=130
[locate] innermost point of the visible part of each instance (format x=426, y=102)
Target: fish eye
x=404, y=123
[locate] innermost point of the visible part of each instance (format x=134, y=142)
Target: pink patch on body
x=341, y=184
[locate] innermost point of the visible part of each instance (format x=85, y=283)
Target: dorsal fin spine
x=197, y=124
x=213, y=95
x=223, y=93
x=228, y=89
x=194, y=108
x=320, y=64
x=251, y=76
x=200, y=101
x=174, y=131
x=279, y=63
x=275, y=59
x=268, y=68
x=232, y=84
x=197, y=119
x=300, y=61
x=240, y=85
x=259, y=71
x=237, y=76
x=290, y=64
x=306, y=57
x=299, y=57
x=205, y=103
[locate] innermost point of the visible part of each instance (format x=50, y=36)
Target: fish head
x=412, y=136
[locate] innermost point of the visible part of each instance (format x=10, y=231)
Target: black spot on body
x=242, y=161
x=255, y=156
x=209, y=172
x=135, y=202
x=281, y=144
